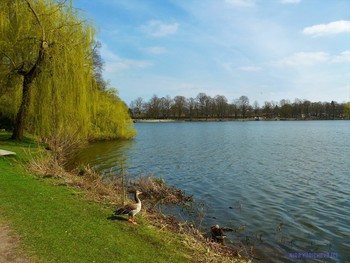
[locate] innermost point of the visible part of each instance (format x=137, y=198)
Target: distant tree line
x=206, y=107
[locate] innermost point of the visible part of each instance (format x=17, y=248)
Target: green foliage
x=64, y=95
x=111, y=117
x=347, y=110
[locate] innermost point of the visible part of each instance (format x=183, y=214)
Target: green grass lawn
x=56, y=224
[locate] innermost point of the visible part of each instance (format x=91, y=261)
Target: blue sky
x=267, y=50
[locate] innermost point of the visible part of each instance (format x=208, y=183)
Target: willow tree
x=47, y=72
x=111, y=117
x=45, y=54
x=347, y=110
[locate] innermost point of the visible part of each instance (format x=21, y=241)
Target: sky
x=267, y=50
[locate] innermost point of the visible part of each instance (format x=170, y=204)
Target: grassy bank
x=57, y=224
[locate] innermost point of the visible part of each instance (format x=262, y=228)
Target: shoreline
x=229, y=120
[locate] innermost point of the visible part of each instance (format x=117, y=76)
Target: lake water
x=284, y=185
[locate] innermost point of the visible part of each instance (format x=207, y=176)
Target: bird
x=131, y=209
x=217, y=234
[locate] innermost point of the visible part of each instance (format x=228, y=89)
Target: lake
x=283, y=185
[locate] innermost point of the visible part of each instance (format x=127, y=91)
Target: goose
x=131, y=209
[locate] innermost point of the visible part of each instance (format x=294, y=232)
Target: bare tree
x=256, y=108
x=192, y=105
x=221, y=106
x=179, y=106
x=243, y=105
x=137, y=107
x=166, y=105
x=153, y=107
x=267, y=109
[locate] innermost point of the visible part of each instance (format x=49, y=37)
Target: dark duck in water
x=130, y=209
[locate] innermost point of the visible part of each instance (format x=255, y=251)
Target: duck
x=131, y=209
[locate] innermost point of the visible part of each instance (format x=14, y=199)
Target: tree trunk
x=29, y=77
x=23, y=109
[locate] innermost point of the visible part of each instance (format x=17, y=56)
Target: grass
x=56, y=224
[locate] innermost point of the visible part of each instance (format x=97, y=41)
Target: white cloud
x=343, y=57
x=115, y=64
x=227, y=66
x=156, y=28
x=290, y=1
x=230, y=67
x=249, y=68
x=312, y=58
x=125, y=64
x=331, y=28
x=156, y=50
x=306, y=58
x=241, y=3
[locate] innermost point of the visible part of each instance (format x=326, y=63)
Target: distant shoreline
x=228, y=120
x=155, y=120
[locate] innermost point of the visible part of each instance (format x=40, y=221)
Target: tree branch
x=60, y=5
x=9, y=58
x=37, y=19
x=67, y=25
x=28, y=38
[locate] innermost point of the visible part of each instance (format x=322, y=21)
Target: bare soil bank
x=9, y=247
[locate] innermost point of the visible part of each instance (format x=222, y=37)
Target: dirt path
x=8, y=247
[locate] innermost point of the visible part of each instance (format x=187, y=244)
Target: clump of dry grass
x=62, y=145
x=156, y=191
x=51, y=162
x=85, y=179
x=46, y=166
